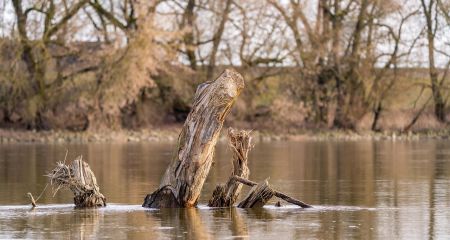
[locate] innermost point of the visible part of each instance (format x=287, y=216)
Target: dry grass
x=61, y=177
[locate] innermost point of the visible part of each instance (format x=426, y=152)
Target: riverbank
x=170, y=134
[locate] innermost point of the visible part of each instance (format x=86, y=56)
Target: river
x=359, y=190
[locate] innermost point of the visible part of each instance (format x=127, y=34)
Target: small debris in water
x=33, y=202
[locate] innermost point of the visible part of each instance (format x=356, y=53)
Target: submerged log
x=184, y=177
x=258, y=196
x=79, y=178
x=276, y=193
x=225, y=195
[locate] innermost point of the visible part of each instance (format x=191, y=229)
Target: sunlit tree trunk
x=185, y=175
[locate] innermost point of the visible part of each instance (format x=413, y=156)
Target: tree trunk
x=439, y=104
x=376, y=116
x=350, y=98
x=217, y=39
x=226, y=195
x=188, y=38
x=89, y=195
x=184, y=178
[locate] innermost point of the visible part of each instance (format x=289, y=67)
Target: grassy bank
x=170, y=134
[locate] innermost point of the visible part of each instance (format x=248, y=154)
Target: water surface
x=359, y=189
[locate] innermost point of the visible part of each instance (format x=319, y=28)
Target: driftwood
x=79, y=178
x=225, y=195
x=275, y=192
x=33, y=202
x=184, y=177
x=258, y=196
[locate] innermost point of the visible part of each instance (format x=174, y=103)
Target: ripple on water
x=11, y=211
x=18, y=211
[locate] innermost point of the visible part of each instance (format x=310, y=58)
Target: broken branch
x=276, y=193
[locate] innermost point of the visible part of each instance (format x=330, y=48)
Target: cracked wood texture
x=258, y=196
x=80, y=179
x=88, y=195
x=184, y=178
x=225, y=195
x=275, y=192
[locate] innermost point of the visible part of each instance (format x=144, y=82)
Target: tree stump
x=184, y=177
x=258, y=196
x=80, y=179
x=240, y=144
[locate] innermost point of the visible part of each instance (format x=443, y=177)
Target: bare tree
x=217, y=37
x=339, y=54
x=340, y=58
x=431, y=13
x=35, y=49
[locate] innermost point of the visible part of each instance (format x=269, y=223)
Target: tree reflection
x=182, y=222
x=85, y=224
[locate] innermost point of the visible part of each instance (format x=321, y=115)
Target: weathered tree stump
x=184, y=178
x=258, y=196
x=79, y=178
x=225, y=195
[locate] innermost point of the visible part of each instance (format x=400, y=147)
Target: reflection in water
x=238, y=222
x=183, y=223
x=366, y=189
x=86, y=224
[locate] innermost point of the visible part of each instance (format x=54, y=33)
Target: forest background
x=88, y=65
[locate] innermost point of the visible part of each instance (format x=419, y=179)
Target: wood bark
x=258, y=196
x=184, y=177
x=80, y=179
x=87, y=194
x=276, y=193
x=225, y=195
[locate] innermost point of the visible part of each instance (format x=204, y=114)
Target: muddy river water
x=359, y=190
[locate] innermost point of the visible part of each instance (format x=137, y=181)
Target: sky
x=418, y=58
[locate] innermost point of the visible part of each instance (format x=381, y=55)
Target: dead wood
x=79, y=178
x=258, y=196
x=276, y=193
x=184, y=177
x=225, y=195
x=33, y=202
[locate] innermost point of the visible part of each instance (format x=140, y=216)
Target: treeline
x=90, y=64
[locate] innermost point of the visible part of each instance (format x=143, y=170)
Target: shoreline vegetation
x=356, y=65
x=170, y=134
